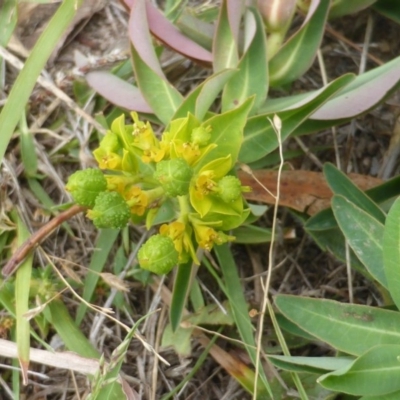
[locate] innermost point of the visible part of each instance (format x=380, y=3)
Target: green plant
x=366, y=338
x=184, y=181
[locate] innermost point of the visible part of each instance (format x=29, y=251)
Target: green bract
x=86, y=185
x=158, y=255
x=110, y=211
x=174, y=176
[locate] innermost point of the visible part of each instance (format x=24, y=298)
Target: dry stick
x=19, y=255
x=51, y=87
x=342, y=38
x=277, y=126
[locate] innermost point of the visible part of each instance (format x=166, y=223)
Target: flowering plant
x=189, y=168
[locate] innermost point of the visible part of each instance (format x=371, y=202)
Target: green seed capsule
x=158, y=255
x=110, y=211
x=86, y=185
x=174, y=176
x=229, y=188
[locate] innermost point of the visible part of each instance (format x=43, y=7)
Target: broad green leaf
x=374, y=373
x=342, y=185
x=182, y=283
x=315, y=365
x=391, y=396
x=391, y=251
x=225, y=53
x=350, y=328
x=227, y=133
x=363, y=233
x=390, y=9
x=259, y=136
x=203, y=96
x=26, y=80
x=345, y=7
x=104, y=243
x=297, y=54
x=252, y=77
x=162, y=97
x=372, y=86
x=238, y=304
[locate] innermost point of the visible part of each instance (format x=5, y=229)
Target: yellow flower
x=206, y=237
x=204, y=184
x=181, y=236
x=137, y=200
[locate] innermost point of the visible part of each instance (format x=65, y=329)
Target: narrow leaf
x=391, y=251
x=297, y=54
x=375, y=373
x=104, y=243
x=252, y=77
x=203, y=96
x=315, y=365
x=162, y=97
x=259, y=136
x=180, y=293
x=225, y=53
x=26, y=80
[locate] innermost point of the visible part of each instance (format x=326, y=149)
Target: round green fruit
x=158, y=255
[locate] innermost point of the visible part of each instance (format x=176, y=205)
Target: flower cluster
x=173, y=182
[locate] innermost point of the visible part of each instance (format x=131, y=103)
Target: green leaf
x=8, y=20
x=297, y=54
x=104, y=243
x=24, y=84
x=350, y=328
x=180, y=292
x=345, y=7
x=391, y=251
x=203, y=96
x=374, y=373
x=372, y=86
x=251, y=234
x=259, y=136
x=315, y=365
x=227, y=133
x=162, y=97
x=390, y=9
x=342, y=185
x=225, y=53
x=364, y=235
x=179, y=340
x=252, y=77
x=22, y=289
x=238, y=303
x=57, y=314
x=391, y=396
